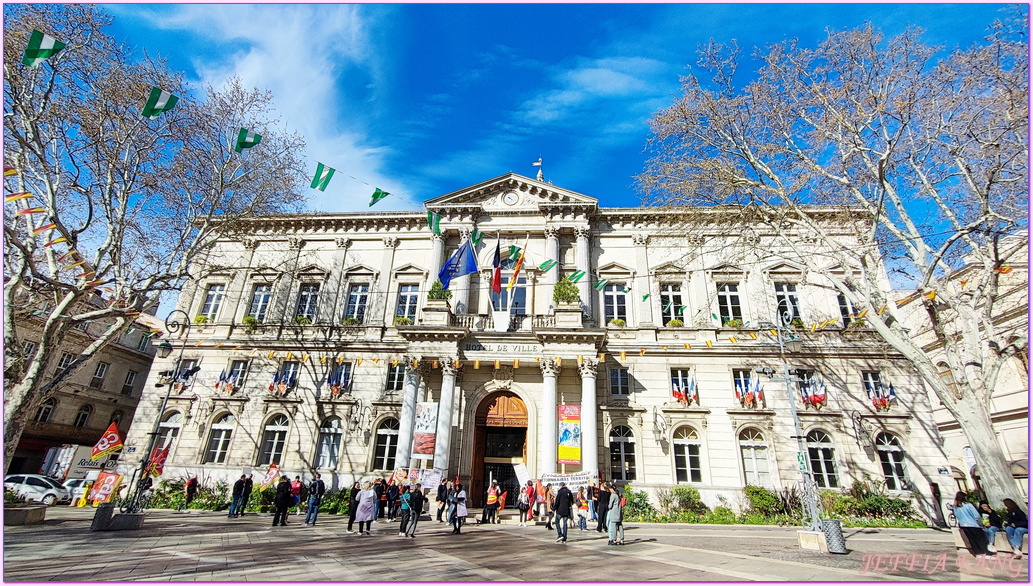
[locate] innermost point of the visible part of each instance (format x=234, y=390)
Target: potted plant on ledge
x=568, y=304
x=251, y=324
x=675, y=323
x=351, y=322
x=301, y=320
x=401, y=320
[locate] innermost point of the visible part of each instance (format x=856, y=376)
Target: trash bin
x=833, y=531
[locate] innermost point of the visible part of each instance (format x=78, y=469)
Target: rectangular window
x=212, y=301
x=127, y=387
x=517, y=296
x=728, y=302
x=289, y=373
x=357, y=297
x=620, y=382
x=260, y=297
x=237, y=373
x=308, y=299
x=680, y=381
x=741, y=379
x=82, y=326
x=145, y=343
x=846, y=309
x=395, y=378
x=670, y=302
x=66, y=359
x=98, y=375
x=615, y=302
x=408, y=297
x=29, y=349
x=872, y=382
x=786, y=300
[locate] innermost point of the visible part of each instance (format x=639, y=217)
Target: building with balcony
x=320, y=351
x=104, y=390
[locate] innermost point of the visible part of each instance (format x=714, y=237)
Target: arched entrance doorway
x=500, y=441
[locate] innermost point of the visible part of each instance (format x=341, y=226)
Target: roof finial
x=538, y=164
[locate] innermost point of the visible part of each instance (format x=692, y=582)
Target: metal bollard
x=833, y=530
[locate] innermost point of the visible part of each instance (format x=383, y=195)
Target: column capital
x=449, y=367
x=465, y=232
x=582, y=231
x=295, y=243
x=390, y=241
x=437, y=239
x=342, y=242
x=249, y=243
x=588, y=368
x=549, y=367
x=552, y=231
x=640, y=238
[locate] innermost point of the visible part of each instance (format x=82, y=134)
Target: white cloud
x=300, y=53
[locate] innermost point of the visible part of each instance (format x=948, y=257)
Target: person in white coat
x=366, y=510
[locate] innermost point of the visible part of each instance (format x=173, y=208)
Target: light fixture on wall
x=861, y=432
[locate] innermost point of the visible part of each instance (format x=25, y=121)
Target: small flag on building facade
x=642, y=352
x=40, y=48
x=580, y=359
x=434, y=221
x=559, y=362
x=57, y=240
x=358, y=362
x=378, y=195
x=664, y=348
x=516, y=363
x=547, y=265
x=246, y=139
x=16, y=196
x=1003, y=270
x=476, y=364
x=30, y=211
x=577, y=276
x=602, y=357
x=599, y=286
x=931, y=296
x=476, y=236
x=10, y=171
x=44, y=228
x=753, y=335
x=159, y=101
x=709, y=344
x=498, y=364
x=733, y=340
x=322, y=177
x=688, y=346
x=624, y=355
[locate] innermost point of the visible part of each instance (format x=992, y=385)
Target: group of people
x=980, y=526
x=602, y=503
x=372, y=500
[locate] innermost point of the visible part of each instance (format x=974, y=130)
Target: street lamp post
x=792, y=343
x=167, y=378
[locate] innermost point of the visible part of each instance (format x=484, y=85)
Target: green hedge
x=169, y=495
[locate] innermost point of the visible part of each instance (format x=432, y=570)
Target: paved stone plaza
x=208, y=546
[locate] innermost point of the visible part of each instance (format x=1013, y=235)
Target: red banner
x=109, y=442
x=105, y=486
x=270, y=476
x=157, y=464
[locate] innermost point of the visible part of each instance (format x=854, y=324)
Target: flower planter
x=568, y=315
x=24, y=515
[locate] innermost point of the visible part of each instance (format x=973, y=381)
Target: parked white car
x=76, y=487
x=33, y=487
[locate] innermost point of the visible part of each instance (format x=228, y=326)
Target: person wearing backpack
x=316, y=490
x=524, y=506
x=615, y=517
x=404, y=497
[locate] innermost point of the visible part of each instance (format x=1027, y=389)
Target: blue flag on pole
x=461, y=263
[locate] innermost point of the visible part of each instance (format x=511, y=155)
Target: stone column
x=405, y=430
x=437, y=250
x=340, y=261
x=548, y=424
x=380, y=307
x=443, y=439
x=552, y=252
x=589, y=434
x=643, y=309
x=696, y=295
x=583, y=262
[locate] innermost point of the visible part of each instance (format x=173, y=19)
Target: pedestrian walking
x=601, y=507
x=249, y=483
x=550, y=500
x=416, y=503
x=458, y=508
x=403, y=498
x=592, y=495
x=282, y=501
x=296, y=495
x=524, y=506
x=491, y=506
x=970, y=524
x=991, y=524
x=366, y=510
x=442, y=497
x=1015, y=527
x=381, y=500
x=190, y=490
x=238, y=496
x=582, y=508
x=563, y=506
x=391, y=494
x=353, y=505
x=315, y=497
x=615, y=517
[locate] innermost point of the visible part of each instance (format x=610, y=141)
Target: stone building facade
x=324, y=293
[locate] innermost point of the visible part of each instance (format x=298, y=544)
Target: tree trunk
x=15, y=416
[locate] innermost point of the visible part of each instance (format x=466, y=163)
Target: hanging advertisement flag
x=105, y=486
x=157, y=464
x=424, y=431
x=570, y=434
x=109, y=442
x=270, y=476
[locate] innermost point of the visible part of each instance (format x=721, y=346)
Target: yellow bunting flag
x=688, y=346
x=44, y=228
x=753, y=335
x=733, y=340
x=340, y=359
x=559, y=362
x=580, y=359
x=271, y=354
x=642, y=352
x=30, y=211
x=538, y=359
x=457, y=363
x=882, y=309
x=16, y=196
x=709, y=344
x=376, y=361
x=931, y=296
x=198, y=344
x=304, y=358
x=86, y=274
x=498, y=364
x=92, y=283
x=415, y=362
x=253, y=351
x=664, y=348
x=394, y=362
x=773, y=332
x=76, y=264
x=1003, y=270
x=434, y=364
x=358, y=362
x=862, y=314
x=9, y=171
x=219, y=345
x=814, y=327
x=290, y=355
x=964, y=282
x=66, y=255
x=476, y=364
x=908, y=299
x=237, y=347
x=602, y=357
x=624, y=355
x=57, y=240
x=516, y=363
x=322, y=359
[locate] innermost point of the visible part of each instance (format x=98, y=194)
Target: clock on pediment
x=510, y=198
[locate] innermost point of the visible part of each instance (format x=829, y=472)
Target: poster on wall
x=569, y=451
x=424, y=431
x=521, y=472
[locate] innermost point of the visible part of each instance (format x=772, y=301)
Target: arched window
x=387, y=445
x=219, y=440
x=274, y=439
x=891, y=455
x=329, y=444
x=754, y=452
x=168, y=429
x=622, y=453
x=45, y=411
x=83, y=416
x=822, y=453
x=687, y=466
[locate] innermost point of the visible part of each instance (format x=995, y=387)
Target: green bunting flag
x=159, y=101
x=434, y=221
x=377, y=196
x=646, y=296
x=514, y=251
x=599, y=286
x=548, y=265
x=41, y=47
x=322, y=177
x=577, y=276
x=680, y=310
x=476, y=236
x=246, y=139
x=714, y=315
x=667, y=307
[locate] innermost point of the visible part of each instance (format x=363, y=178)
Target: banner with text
x=569, y=451
x=428, y=478
x=572, y=480
x=424, y=431
x=105, y=486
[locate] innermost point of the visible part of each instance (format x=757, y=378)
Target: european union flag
x=461, y=263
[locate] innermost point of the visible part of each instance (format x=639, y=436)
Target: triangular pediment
x=409, y=269
x=616, y=268
x=784, y=268
x=667, y=268
x=510, y=192
x=726, y=269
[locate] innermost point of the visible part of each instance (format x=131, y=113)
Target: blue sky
x=421, y=100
